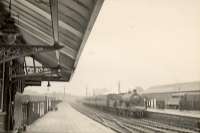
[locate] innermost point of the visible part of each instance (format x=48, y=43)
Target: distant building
x=176, y=96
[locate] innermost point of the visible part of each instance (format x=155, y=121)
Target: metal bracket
x=10, y=52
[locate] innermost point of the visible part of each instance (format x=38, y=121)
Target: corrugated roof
x=75, y=20
x=178, y=87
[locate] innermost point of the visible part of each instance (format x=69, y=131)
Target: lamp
x=8, y=30
x=48, y=85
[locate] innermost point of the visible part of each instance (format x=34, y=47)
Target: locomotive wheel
x=136, y=114
x=133, y=114
x=128, y=113
x=116, y=111
x=139, y=114
x=124, y=113
x=142, y=114
x=120, y=112
x=113, y=110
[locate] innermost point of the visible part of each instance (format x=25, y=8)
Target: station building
x=40, y=40
x=182, y=96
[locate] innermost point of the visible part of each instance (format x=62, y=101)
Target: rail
x=128, y=125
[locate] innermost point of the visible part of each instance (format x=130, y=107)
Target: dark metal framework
x=10, y=52
x=43, y=29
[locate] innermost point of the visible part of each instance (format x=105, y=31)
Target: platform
x=185, y=113
x=66, y=120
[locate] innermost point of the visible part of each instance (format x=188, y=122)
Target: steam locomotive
x=127, y=104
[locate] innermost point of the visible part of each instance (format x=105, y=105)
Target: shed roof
x=177, y=87
x=75, y=21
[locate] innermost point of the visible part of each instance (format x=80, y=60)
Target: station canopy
x=68, y=22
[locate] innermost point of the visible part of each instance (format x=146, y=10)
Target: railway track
x=168, y=127
x=114, y=125
x=128, y=125
x=155, y=127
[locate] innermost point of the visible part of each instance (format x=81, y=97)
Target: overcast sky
x=140, y=43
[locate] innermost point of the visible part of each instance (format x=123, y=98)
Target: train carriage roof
x=75, y=21
x=114, y=96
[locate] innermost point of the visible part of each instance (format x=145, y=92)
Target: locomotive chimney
x=134, y=91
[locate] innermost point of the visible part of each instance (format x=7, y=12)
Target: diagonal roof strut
x=54, y=20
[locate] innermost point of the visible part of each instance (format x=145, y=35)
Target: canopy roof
x=75, y=21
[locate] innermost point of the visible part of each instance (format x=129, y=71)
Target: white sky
x=141, y=43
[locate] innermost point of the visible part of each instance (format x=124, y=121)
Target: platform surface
x=66, y=120
x=186, y=113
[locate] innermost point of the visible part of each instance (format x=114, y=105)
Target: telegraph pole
x=86, y=91
x=64, y=92
x=119, y=88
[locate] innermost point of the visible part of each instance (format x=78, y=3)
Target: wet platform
x=66, y=120
x=185, y=113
